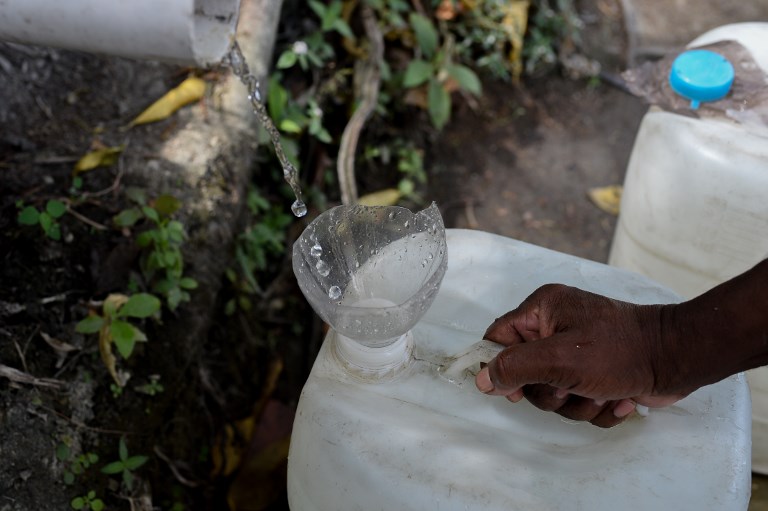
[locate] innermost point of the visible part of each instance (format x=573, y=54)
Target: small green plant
x=315, y=49
x=88, y=501
x=116, y=390
x=264, y=237
x=162, y=262
x=113, y=326
x=153, y=388
x=75, y=465
x=435, y=68
x=126, y=465
x=46, y=219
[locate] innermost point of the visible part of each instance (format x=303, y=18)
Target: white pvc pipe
x=189, y=32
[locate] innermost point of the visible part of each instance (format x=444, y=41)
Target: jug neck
x=374, y=365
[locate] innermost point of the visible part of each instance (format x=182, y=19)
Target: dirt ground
x=521, y=162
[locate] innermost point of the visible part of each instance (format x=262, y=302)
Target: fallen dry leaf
x=103, y=157
x=607, y=198
x=190, y=90
x=233, y=443
x=515, y=23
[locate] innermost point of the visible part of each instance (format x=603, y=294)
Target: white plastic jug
x=416, y=440
x=694, y=211
x=695, y=207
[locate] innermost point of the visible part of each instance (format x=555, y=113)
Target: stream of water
x=239, y=66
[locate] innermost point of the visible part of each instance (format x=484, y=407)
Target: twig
x=84, y=219
x=83, y=426
x=120, y=171
x=22, y=377
x=22, y=353
x=369, y=79
x=180, y=478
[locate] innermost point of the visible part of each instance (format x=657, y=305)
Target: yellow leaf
x=262, y=479
x=188, y=91
x=233, y=443
x=515, y=23
x=99, y=158
x=386, y=197
x=607, y=198
x=111, y=304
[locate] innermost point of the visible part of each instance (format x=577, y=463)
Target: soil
x=521, y=162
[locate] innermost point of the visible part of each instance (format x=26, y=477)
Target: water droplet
x=392, y=215
x=323, y=268
x=424, y=263
x=357, y=264
x=407, y=224
x=334, y=292
x=316, y=250
x=299, y=208
x=430, y=256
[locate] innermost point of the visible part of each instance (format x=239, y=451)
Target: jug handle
x=469, y=361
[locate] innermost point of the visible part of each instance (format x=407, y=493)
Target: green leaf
x=318, y=8
x=289, y=126
x=150, y=213
x=139, y=335
x=466, y=78
x=287, y=59
x=167, y=205
x=331, y=14
x=77, y=503
x=92, y=457
x=124, y=337
x=113, y=468
x=62, y=452
x=29, y=216
x=145, y=238
x=277, y=97
x=137, y=195
x=342, y=28
x=69, y=478
x=45, y=222
x=97, y=505
x=174, y=298
x=122, y=449
x=188, y=283
x=418, y=72
x=426, y=34
x=230, y=307
x=135, y=462
x=91, y=495
x=128, y=479
x=128, y=217
x=55, y=208
x=90, y=325
x=140, y=305
x=439, y=104
x=77, y=468
x=54, y=232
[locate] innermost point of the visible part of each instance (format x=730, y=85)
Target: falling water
x=239, y=66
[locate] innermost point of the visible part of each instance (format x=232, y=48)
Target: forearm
x=723, y=331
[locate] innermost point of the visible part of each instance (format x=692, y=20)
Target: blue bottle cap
x=701, y=75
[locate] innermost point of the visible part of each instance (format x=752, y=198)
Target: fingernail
x=599, y=402
x=483, y=381
x=516, y=396
x=624, y=408
x=561, y=393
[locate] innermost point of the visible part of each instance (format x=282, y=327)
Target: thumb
x=523, y=364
